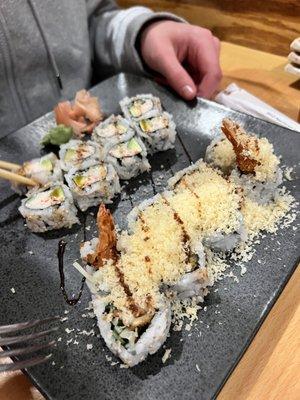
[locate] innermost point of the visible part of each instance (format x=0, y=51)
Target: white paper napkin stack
x=240, y=100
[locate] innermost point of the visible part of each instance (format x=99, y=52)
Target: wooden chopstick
x=10, y=166
x=11, y=176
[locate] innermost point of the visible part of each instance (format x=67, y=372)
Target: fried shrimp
x=106, y=247
x=245, y=146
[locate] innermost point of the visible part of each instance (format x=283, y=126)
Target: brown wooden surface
x=269, y=25
x=263, y=75
x=270, y=369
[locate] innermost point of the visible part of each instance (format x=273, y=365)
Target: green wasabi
x=59, y=135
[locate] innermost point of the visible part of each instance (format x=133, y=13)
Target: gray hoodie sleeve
x=114, y=32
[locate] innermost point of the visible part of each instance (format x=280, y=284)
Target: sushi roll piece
x=74, y=153
x=142, y=106
x=192, y=283
x=158, y=132
x=93, y=183
x=112, y=131
x=257, y=169
x=129, y=158
x=43, y=170
x=218, y=201
x=48, y=208
x=132, y=343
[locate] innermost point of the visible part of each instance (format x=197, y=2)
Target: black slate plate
x=234, y=312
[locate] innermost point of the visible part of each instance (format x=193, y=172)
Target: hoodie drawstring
x=48, y=48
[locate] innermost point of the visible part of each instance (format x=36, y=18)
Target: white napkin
x=240, y=100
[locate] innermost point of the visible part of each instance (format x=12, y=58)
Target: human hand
x=185, y=56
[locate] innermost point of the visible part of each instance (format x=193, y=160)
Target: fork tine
x=24, y=325
x=19, y=339
x=24, y=364
x=26, y=350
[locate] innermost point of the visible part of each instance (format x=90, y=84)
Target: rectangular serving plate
x=200, y=363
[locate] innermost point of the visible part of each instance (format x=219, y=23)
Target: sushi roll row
x=118, y=150
x=155, y=126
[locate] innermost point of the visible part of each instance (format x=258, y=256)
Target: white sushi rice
x=260, y=192
x=100, y=191
x=194, y=283
x=74, y=153
x=221, y=155
x=61, y=215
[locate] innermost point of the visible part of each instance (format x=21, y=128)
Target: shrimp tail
x=245, y=146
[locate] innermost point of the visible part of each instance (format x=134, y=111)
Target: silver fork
x=12, y=340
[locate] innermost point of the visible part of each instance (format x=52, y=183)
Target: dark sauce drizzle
x=60, y=254
x=185, y=235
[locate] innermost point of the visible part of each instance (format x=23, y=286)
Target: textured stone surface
x=225, y=335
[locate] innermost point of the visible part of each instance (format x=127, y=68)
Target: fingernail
x=188, y=91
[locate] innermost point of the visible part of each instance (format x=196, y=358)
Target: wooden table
x=270, y=369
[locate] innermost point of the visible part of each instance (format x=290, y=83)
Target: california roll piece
x=43, y=170
x=129, y=158
x=142, y=106
x=115, y=129
x=158, y=132
x=257, y=169
x=93, y=183
x=74, y=153
x=49, y=208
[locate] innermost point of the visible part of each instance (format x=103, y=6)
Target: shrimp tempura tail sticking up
x=245, y=146
x=107, y=245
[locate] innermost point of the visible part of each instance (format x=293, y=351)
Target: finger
x=217, y=44
x=207, y=64
x=160, y=80
x=177, y=77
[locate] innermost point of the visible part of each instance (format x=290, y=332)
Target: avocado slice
x=47, y=165
x=70, y=155
x=146, y=125
x=134, y=146
x=80, y=180
x=58, y=193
